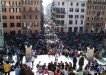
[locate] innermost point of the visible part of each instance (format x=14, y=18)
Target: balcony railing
x=57, y=12
x=31, y=11
x=95, y=2
x=18, y=5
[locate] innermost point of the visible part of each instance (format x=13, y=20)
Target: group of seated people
x=66, y=68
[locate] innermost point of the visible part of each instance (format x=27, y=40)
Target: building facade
x=48, y=11
x=96, y=16
x=1, y=28
x=21, y=16
x=31, y=15
x=69, y=15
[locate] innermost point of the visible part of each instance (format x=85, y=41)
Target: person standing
x=74, y=62
x=17, y=70
x=32, y=59
x=81, y=63
x=56, y=58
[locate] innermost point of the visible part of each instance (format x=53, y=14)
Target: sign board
x=28, y=55
x=90, y=53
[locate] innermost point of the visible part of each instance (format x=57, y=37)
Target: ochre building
x=21, y=16
x=95, y=16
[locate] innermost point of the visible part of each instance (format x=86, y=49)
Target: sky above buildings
x=45, y=3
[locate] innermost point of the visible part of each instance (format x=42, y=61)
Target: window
x=18, y=3
x=94, y=12
x=3, y=2
x=36, y=16
x=88, y=18
x=76, y=21
x=62, y=16
x=62, y=3
x=30, y=9
x=76, y=16
x=31, y=2
x=62, y=11
x=71, y=3
x=3, y=9
x=70, y=29
x=4, y=17
x=87, y=24
x=88, y=7
x=35, y=23
x=53, y=9
x=58, y=16
x=76, y=10
x=4, y=24
x=37, y=2
x=30, y=16
x=88, y=12
x=18, y=24
x=62, y=22
x=24, y=17
x=11, y=17
x=36, y=9
x=77, y=4
x=82, y=4
x=75, y=29
x=28, y=2
x=18, y=9
x=71, y=9
x=82, y=10
x=101, y=18
x=70, y=16
x=11, y=3
x=24, y=9
x=11, y=9
x=18, y=17
x=102, y=12
x=58, y=22
x=81, y=29
x=12, y=25
x=70, y=22
x=82, y=16
x=81, y=21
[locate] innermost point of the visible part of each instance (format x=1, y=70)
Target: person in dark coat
x=21, y=55
x=28, y=71
x=74, y=62
x=81, y=63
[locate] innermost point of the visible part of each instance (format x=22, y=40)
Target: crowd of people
x=15, y=46
x=80, y=42
x=69, y=68
x=73, y=43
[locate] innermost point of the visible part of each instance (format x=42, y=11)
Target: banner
x=90, y=53
x=28, y=53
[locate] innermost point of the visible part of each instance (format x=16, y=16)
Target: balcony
x=3, y=5
x=11, y=6
x=30, y=11
x=18, y=5
x=96, y=2
x=59, y=12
